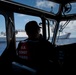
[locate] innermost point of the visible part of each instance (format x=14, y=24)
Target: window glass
x=66, y=33
x=41, y=4
x=3, y=42
x=71, y=8
x=20, y=22
x=50, y=25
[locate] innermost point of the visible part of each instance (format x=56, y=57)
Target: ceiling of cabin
x=41, y=4
x=48, y=5
x=51, y=6
x=63, y=1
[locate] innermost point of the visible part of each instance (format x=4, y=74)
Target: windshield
x=66, y=32
x=66, y=28
x=41, y=4
x=71, y=8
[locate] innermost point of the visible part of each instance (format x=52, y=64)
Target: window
x=20, y=22
x=66, y=33
x=71, y=8
x=41, y=4
x=3, y=42
x=50, y=28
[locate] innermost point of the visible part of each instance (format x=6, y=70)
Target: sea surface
x=3, y=43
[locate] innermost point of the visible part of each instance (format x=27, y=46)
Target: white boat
x=21, y=34
x=18, y=34
x=64, y=36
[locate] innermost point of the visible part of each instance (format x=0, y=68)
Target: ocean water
x=2, y=47
x=3, y=43
x=58, y=42
x=66, y=41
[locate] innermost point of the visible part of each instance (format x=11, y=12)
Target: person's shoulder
x=44, y=40
x=48, y=42
x=23, y=41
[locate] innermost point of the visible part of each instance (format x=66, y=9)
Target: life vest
x=23, y=50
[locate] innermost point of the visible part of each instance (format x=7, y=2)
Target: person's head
x=32, y=29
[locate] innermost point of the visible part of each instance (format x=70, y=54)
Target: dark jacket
x=40, y=50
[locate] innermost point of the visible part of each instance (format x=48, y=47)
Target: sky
x=21, y=20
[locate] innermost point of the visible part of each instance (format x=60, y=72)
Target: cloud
x=26, y=20
x=21, y=15
x=71, y=27
x=44, y=4
x=74, y=5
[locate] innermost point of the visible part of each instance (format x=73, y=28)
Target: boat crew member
x=35, y=48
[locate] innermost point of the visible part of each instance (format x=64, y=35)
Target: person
x=38, y=47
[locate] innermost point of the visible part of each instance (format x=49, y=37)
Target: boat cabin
x=57, y=19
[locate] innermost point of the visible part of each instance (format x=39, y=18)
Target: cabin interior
x=63, y=55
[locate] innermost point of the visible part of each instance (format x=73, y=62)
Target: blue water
x=66, y=41
x=2, y=47
x=58, y=42
x=3, y=44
